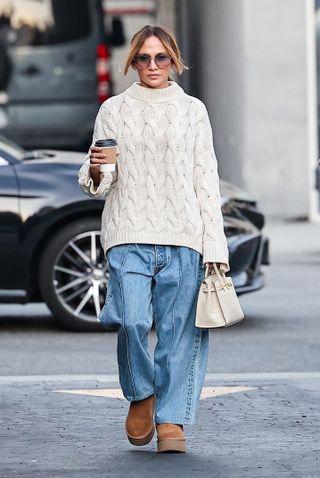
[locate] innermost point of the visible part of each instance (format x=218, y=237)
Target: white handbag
x=218, y=304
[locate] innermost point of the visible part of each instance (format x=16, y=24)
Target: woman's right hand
x=97, y=157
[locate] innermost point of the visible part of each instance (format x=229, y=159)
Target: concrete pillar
x=165, y=14
x=257, y=77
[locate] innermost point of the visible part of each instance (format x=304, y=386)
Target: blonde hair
x=168, y=40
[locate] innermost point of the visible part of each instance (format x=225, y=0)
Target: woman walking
x=161, y=225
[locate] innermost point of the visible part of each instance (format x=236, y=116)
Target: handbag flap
x=228, y=300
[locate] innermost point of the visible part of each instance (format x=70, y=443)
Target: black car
x=50, y=236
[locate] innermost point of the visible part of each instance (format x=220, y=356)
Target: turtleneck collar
x=155, y=95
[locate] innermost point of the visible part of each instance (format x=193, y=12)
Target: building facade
x=254, y=65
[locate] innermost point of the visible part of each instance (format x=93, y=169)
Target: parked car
x=50, y=236
x=60, y=70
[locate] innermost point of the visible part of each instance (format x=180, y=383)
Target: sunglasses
x=143, y=61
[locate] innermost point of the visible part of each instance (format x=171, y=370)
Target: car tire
x=67, y=280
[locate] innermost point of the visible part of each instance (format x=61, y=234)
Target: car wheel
x=74, y=275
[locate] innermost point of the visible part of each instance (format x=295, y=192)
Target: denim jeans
x=158, y=283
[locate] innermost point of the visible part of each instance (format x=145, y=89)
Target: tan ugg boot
x=139, y=423
x=170, y=437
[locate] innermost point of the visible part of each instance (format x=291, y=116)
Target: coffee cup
x=110, y=148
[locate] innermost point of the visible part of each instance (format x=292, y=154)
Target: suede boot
x=139, y=423
x=170, y=437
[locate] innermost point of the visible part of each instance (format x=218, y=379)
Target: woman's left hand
x=220, y=266
x=210, y=265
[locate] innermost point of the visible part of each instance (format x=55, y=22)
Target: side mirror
x=117, y=36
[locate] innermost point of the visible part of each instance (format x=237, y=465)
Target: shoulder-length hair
x=168, y=40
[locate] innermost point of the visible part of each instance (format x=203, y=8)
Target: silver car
x=59, y=58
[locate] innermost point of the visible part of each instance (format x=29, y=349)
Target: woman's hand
x=97, y=157
x=220, y=266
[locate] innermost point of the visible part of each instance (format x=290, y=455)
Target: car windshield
x=12, y=148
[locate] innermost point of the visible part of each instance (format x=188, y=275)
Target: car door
x=9, y=226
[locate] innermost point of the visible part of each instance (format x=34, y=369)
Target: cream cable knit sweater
x=166, y=188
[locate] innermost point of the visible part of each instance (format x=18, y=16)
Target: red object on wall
x=103, y=73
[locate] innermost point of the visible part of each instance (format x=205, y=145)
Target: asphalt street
x=62, y=411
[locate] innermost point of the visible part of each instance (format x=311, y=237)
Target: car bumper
x=248, y=252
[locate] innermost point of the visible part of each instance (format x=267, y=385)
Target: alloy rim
x=80, y=276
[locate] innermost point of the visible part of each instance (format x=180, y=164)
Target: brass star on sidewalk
x=207, y=392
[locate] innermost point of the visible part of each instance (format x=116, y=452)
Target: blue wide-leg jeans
x=158, y=283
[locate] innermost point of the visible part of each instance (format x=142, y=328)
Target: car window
x=43, y=22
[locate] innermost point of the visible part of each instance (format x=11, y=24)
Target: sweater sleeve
x=206, y=184
x=102, y=129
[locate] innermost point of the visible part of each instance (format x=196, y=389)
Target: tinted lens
x=162, y=60
x=142, y=61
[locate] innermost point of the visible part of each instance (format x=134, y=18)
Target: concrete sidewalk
x=249, y=425
x=294, y=239
x=260, y=421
